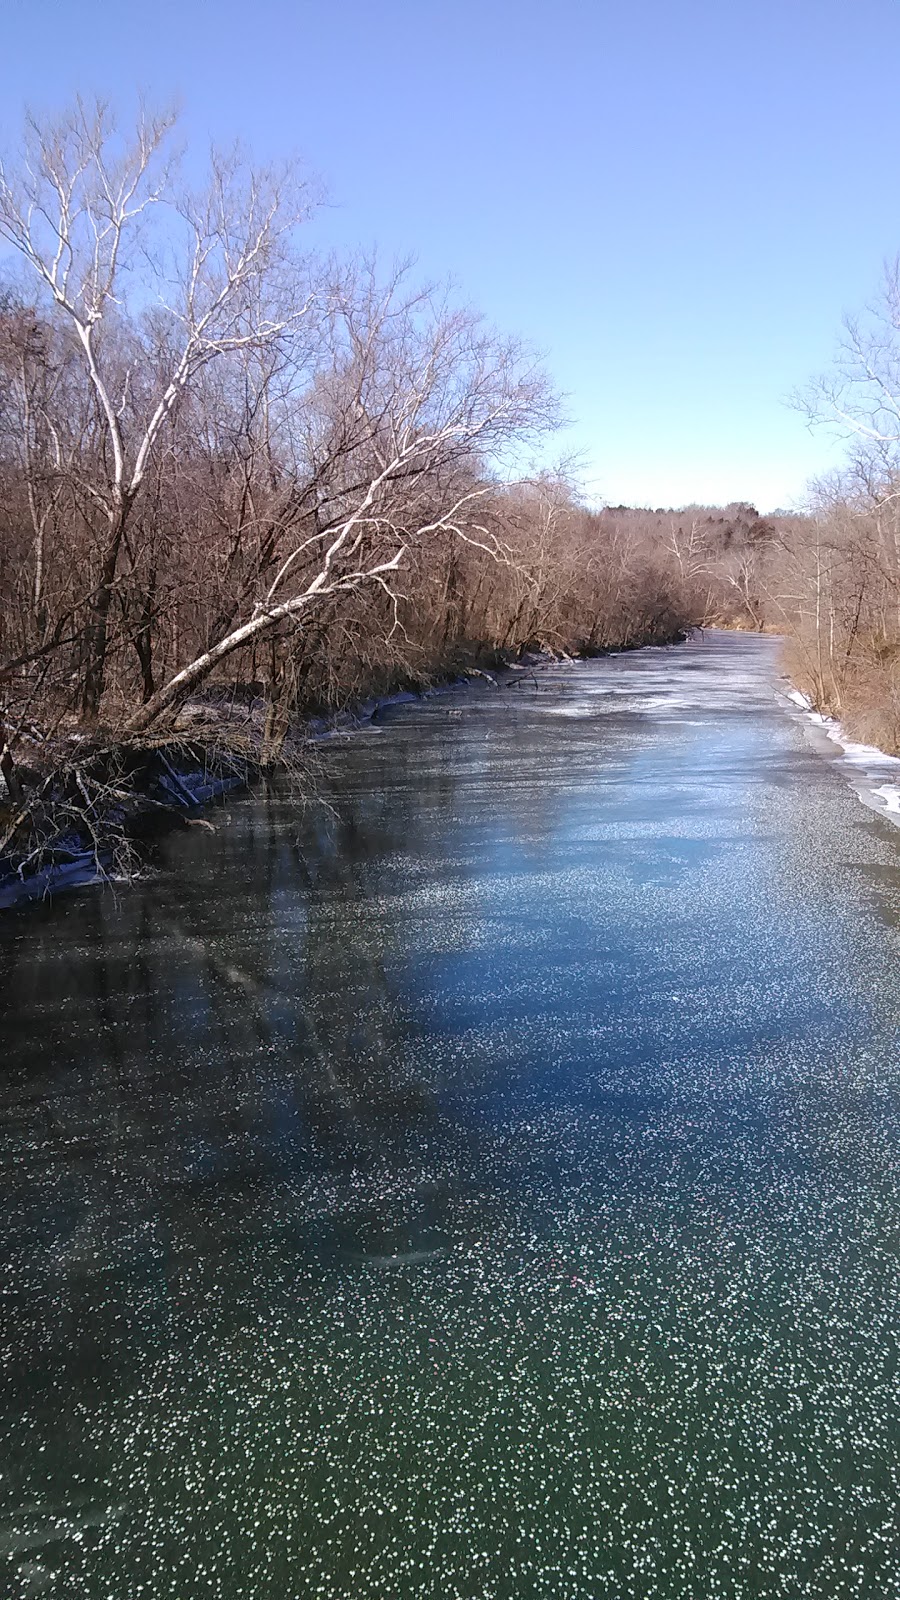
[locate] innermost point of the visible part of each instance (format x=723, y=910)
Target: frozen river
x=484, y=1187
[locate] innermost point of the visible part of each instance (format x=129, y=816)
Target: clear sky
x=675, y=200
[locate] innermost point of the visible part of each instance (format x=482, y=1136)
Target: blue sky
x=676, y=200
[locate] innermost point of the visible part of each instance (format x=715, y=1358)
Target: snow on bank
x=874, y=775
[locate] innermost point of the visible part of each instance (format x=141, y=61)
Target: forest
x=234, y=469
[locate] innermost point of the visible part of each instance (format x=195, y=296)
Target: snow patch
x=891, y=794
x=799, y=699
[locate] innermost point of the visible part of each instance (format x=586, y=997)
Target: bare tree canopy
x=149, y=303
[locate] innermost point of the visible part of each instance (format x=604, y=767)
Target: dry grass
x=861, y=689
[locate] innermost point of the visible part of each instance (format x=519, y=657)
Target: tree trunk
x=143, y=641
x=176, y=691
x=97, y=631
x=8, y=768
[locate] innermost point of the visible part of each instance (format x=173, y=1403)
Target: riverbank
x=85, y=817
x=873, y=769
x=873, y=773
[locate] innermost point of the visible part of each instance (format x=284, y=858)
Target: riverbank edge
x=869, y=769
x=55, y=838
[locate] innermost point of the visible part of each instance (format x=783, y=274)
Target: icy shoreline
x=873, y=774
x=69, y=862
x=180, y=791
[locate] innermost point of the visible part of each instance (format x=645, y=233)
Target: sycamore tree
x=410, y=419
x=152, y=279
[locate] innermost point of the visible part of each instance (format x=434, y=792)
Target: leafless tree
x=419, y=404
x=82, y=208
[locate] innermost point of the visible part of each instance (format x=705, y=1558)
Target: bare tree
x=859, y=398
x=419, y=405
x=78, y=207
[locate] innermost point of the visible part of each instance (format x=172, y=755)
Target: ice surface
x=484, y=1185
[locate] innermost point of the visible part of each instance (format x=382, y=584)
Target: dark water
x=484, y=1187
